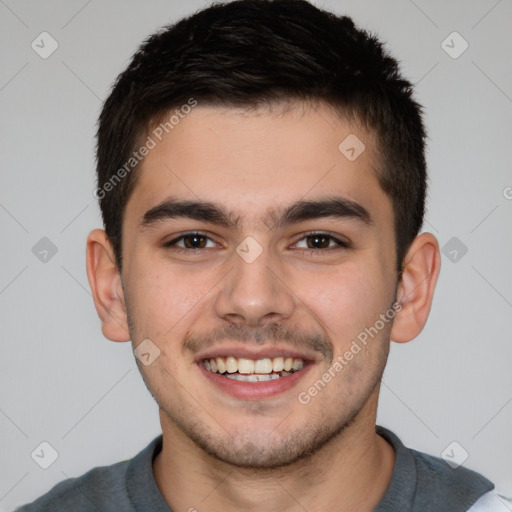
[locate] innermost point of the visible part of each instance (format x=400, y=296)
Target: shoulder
x=100, y=487
x=439, y=476
x=438, y=483
x=424, y=482
x=114, y=488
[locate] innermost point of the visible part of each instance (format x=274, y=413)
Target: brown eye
x=195, y=241
x=318, y=241
x=190, y=242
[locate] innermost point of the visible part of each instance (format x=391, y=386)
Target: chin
x=264, y=449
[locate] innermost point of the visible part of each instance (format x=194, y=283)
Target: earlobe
x=416, y=288
x=106, y=286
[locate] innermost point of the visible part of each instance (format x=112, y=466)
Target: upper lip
x=255, y=353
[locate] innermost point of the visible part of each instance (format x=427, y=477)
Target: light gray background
x=63, y=383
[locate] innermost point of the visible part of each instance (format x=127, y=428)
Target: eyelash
x=172, y=243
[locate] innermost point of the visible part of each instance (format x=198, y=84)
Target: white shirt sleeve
x=492, y=502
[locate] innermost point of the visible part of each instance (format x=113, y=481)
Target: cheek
x=345, y=302
x=162, y=299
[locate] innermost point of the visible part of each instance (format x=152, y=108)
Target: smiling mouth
x=250, y=370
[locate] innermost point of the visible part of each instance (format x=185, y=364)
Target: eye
x=190, y=241
x=320, y=242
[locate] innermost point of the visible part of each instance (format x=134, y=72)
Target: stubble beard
x=260, y=450
x=263, y=450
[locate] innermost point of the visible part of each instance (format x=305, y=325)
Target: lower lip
x=255, y=390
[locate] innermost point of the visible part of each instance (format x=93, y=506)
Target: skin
x=231, y=454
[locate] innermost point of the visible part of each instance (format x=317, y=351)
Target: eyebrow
x=333, y=207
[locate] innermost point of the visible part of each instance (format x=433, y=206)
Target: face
x=252, y=243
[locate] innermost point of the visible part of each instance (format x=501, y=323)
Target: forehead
x=257, y=162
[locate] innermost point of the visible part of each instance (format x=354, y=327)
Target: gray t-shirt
x=419, y=483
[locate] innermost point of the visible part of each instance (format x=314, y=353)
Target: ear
x=106, y=286
x=416, y=287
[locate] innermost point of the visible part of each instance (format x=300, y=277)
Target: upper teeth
x=232, y=364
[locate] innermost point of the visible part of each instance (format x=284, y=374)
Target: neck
x=351, y=472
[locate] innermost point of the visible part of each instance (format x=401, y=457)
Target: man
x=261, y=176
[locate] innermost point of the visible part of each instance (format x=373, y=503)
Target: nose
x=255, y=292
